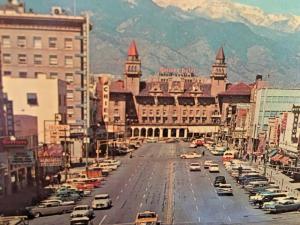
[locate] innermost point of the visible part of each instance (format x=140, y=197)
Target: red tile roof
x=237, y=89
x=132, y=51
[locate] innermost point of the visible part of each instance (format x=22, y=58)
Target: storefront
x=18, y=162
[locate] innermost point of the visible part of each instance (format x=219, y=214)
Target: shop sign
x=22, y=157
x=50, y=155
x=14, y=143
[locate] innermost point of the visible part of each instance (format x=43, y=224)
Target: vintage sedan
x=192, y=155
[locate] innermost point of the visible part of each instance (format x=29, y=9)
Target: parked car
x=101, y=201
x=267, y=197
x=214, y=168
x=287, y=206
x=224, y=189
x=51, y=208
x=82, y=210
x=195, y=167
x=192, y=155
x=219, y=180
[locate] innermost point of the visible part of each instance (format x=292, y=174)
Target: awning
x=285, y=160
x=203, y=129
x=277, y=157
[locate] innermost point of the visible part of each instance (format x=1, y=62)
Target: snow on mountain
x=235, y=12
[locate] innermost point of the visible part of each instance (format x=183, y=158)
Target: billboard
x=56, y=133
x=50, y=155
x=21, y=157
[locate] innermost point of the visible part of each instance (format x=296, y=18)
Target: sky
x=275, y=6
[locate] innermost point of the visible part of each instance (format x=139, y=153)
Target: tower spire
x=132, y=50
x=220, y=55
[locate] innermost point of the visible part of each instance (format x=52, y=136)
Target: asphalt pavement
x=157, y=179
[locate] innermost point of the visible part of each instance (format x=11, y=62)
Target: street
x=156, y=179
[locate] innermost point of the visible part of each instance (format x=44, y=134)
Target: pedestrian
x=58, y=178
x=203, y=153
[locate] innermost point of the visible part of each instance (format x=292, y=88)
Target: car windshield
x=101, y=197
x=195, y=164
x=81, y=208
x=146, y=215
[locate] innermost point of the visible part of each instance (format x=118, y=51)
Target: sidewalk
x=280, y=179
x=15, y=204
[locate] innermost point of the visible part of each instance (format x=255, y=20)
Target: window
x=68, y=43
x=6, y=41
x=53, y=60
x=52, y=42
x=70, y=94
x=184, y=112
x=157, y=112
x=116, y=103
x=69, y=77
x=7, y=73
x=32, y=99
x=68, y=61
x=22, y=59
x=37, y=42
x=116, y=111
x=174, y=112
x=6, y=58
x=21, y=41
x=144, y=112
x=23, y=74
x=150, y=112
x=53, y=75
x=37, y=59
x=174, y=119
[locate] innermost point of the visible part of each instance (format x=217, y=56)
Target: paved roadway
x=157, y=179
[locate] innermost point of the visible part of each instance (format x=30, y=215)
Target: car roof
x=81, y=206
x=102, y=195
x=80, y=218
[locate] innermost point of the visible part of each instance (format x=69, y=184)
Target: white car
x=81, y=211
x=192, y=155
x=224, y=189
x=207, y=163
x=108, y=165
x=101, y=201
x=195, y=167
x=214, y=168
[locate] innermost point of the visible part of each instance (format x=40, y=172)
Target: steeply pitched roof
x=237, y=89
x=132, y=50
x=220, y=55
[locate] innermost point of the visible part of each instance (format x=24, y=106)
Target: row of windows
x=36, y=42
x=69, y=77
x=32, y=99
x=176, y=120
x=38, y=59
x=184, y=112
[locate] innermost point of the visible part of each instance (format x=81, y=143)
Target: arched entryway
x=156, y=132
x=173, y=132
x=150, y=132
x=136, y=132
x=143, y=132
x=181, y=132
x=128, y=132
x=165, y=132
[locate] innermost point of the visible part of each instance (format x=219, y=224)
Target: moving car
x=214, y=168
x=81, y=221
x=195, y=167
x=207, y=163
x=192, y=155
x=219, y=180
x=147, y=218
x=101, y=201
x=224, y=189
x=81, y=211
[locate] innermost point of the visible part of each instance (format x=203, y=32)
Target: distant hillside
x=172, y=37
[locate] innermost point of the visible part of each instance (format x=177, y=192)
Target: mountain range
x=187, y=33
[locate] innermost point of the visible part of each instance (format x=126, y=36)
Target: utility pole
x=267, y=151
x=65, y=155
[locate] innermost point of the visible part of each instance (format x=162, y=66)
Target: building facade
x=41, y=97
x=54, y=45
x=171, y=103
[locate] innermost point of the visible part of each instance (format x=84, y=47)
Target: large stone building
x=171, y=103
x=54, y=45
